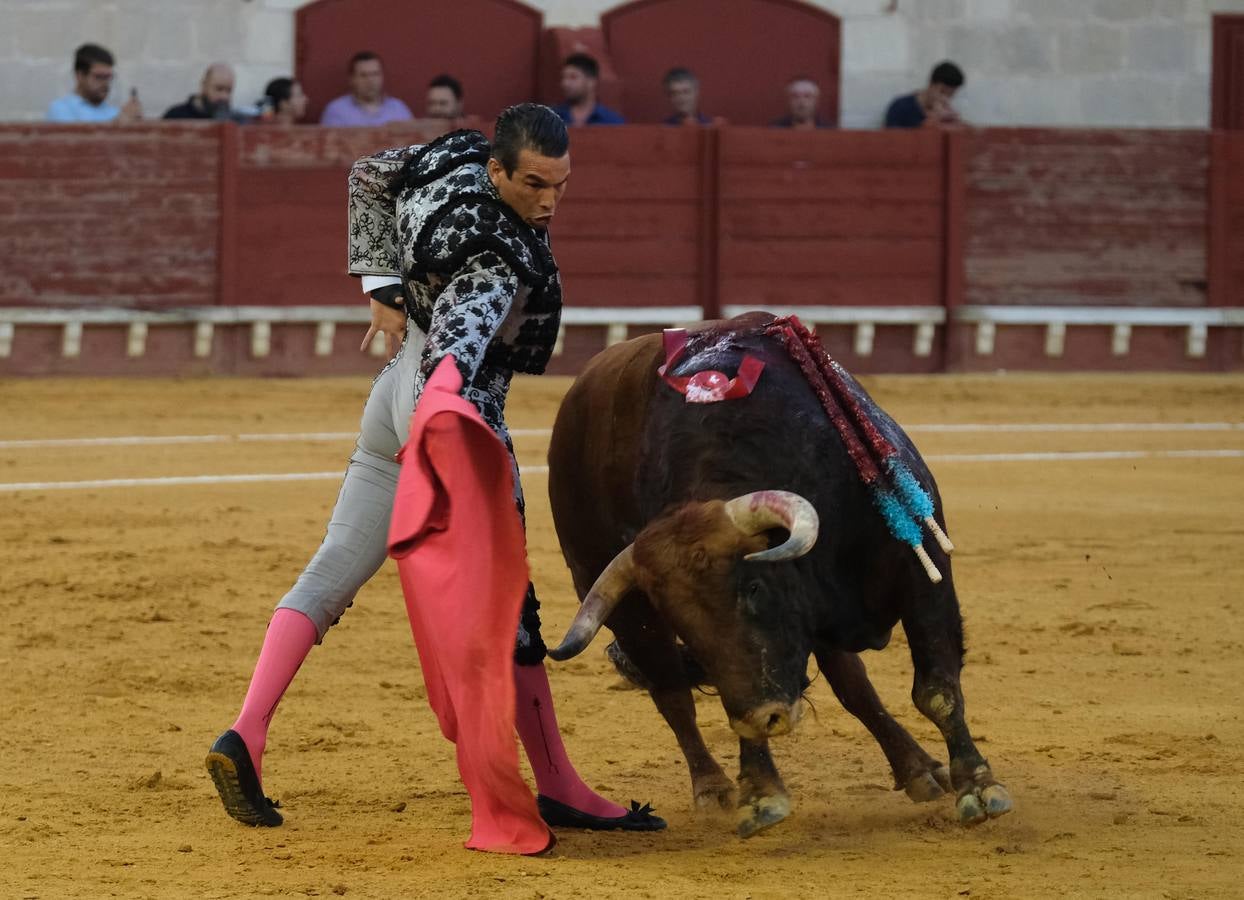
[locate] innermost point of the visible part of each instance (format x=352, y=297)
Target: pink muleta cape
x=461, y=555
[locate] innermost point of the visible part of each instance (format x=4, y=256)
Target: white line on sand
x=311, y=436
x=177, y=480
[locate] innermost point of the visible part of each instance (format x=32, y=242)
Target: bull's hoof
x=925, y=788
x=971, y=810
x=762, y=813
x=715, y=797
x=983, y=803
x=997, y=800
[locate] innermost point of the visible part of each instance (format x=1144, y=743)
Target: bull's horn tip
x=563, y=653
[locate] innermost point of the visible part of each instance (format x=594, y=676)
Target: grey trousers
x=355, y=544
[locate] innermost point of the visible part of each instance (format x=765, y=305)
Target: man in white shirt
x=92, y=70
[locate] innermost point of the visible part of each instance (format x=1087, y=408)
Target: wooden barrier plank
x=761, y=219
x=659, y=181
x=882, y=290
x=580, y=289
x=835, y=149
x=638, y=257
x=593, y=217
x=860, y=184
x=832, y=258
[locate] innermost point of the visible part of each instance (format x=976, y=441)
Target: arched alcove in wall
x=491, y=46
x=744, y=51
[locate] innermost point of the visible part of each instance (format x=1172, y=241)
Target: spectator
x=284, y=102
x=931, y=106
x=580, y=75
x=444, y=100
x=802, y=97
x=682, y=89
x=367, y=103
x=213, y=99
x=92, y=73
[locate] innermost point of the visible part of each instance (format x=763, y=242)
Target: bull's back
x=594, y=450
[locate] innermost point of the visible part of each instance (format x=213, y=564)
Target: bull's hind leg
x=650, y=646
x=915, y=771
x=763, y=800
x=935, y=634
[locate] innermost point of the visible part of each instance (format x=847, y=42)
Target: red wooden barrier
x=92, y=214
x=168, y=215
x=1086, y=217
x=291, y=209
x=1226, y=231
x=847, y=218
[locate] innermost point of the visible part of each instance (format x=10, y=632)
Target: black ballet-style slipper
x=559, y=815
x=229, y=764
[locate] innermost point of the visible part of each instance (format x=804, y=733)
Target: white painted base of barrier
x=618, y=320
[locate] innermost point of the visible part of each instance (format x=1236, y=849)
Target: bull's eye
x=752, y=594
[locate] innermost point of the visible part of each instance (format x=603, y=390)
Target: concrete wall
x=1029, y=62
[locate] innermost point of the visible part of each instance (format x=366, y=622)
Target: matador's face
x=535, y=187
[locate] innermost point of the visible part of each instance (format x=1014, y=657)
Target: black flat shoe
x=559, y=815
x=229, y=764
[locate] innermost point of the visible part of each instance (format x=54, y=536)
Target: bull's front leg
x=935, y=634
x=763, y=800
x=915, y=771
x=650, y=646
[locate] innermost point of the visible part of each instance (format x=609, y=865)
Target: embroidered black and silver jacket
x=478, y=280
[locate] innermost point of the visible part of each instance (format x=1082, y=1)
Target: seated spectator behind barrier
x=682, y=89
x=802, y=97
x=213, y=99
x=930, y=106
x=444, y=100
x=92, y=73
x=367, y=103
x=580, y=74
x=284, y=102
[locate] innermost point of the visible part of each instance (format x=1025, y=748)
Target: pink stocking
x=556, y=777
x=290, y=637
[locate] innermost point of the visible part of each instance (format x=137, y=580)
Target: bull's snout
x=766, y=721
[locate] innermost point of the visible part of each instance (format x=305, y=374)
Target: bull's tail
x=902, y=500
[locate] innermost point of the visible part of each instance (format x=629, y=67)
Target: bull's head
x=708, y=568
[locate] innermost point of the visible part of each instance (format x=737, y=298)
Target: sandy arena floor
x=1104, y=674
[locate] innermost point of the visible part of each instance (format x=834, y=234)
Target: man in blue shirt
x=682, y=89
x=580, y=74
x=92, y=72
x=930, y=106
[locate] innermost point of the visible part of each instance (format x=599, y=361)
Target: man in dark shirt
x=930, y=106
x=682, y=89
x=803, y=95
x=580, y=74
x=212, y=100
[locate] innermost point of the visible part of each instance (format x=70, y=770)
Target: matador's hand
x=392, y=322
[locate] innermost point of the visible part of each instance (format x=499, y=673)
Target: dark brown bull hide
x=655, y=502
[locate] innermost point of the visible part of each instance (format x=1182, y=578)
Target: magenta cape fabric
x=461, y=554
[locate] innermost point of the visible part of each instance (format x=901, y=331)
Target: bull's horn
x=762, y=510
x=610, y=587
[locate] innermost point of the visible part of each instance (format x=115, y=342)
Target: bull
x=728, y=542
